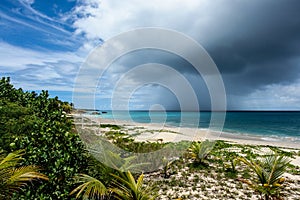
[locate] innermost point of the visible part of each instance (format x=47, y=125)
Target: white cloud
x=33, y=69
x=17, y=58
x=104, y=19
x=272, y=97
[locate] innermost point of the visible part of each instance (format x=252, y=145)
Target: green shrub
x=37, y=124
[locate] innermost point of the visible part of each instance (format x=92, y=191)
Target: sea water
x=268, y=124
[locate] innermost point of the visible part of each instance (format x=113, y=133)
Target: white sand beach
x=153, y=132
x=166, y=133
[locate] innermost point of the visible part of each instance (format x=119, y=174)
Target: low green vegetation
x=111, y=126
x=127, y=142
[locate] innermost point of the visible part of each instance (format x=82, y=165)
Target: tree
x=15, y=120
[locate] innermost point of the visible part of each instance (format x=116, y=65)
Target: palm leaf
x=128, y=189
x=13, y=178
x=277, y=166
x=269, y=171
x=199, y=151
x=90, y=187
x=11, y=160
x=256, y=168
x=139, y=182
x=20, y=176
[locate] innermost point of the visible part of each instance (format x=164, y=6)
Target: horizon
x=68, y=99
x=90, y=109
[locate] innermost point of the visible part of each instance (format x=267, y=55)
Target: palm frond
x=256, y=168
x=276, y=166
x=13, y=178
x=12, y=159
x=199, y=151
x=268, y=171
x=139, y=182
x=24, y=174
x=129, y=189
x=90, y=187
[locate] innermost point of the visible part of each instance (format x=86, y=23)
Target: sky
x=255, y=45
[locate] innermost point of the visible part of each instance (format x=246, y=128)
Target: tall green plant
x=199, y=151
x=269, y=171
x=14, y=177
x=129, y=189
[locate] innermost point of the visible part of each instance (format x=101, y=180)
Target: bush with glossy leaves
x=38, y=124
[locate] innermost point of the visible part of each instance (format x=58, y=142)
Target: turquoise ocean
x=267, y=124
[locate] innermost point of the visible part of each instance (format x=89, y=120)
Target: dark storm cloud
x=159, y=93
x=255, y=44
x=263, y=40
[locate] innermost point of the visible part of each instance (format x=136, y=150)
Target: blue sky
x=38, y=48
x=255, y=44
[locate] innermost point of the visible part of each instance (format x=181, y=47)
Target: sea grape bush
x=38, y=124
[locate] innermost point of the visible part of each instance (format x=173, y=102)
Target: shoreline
x=155, y=132
x=167, y=133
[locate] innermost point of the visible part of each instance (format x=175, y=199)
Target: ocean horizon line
x=90, y=109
